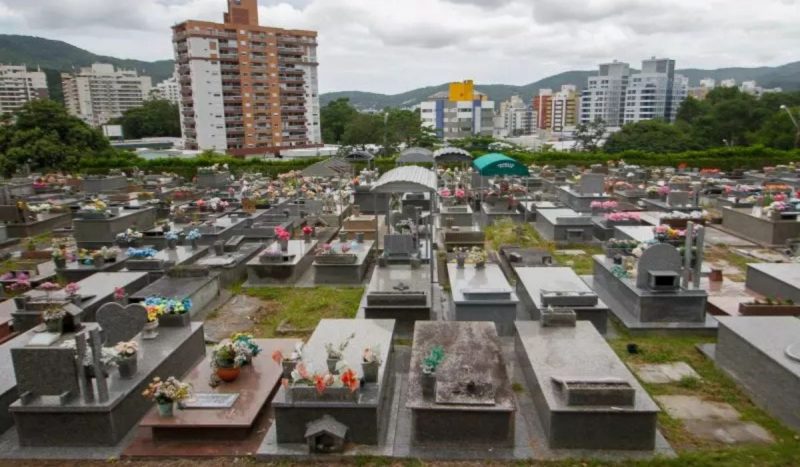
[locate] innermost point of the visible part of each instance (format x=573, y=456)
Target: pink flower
x=661, y=229
x=72, y=288
x=49, y=286
x=596, y=204
x=345, y=247
x=461, y=194
x=200, y=202
x=119, y=293
x=610, y=205
x=445, y=192
x=779, y=197
x=664, y=190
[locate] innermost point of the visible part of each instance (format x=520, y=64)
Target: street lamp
x=796, y=126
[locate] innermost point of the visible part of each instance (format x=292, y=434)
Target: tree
x=156, y=118
x=44, y=136
x=778, y=131
x=650, y=136
x=691, y=109
x=589, y=135
x=334, y=119
x=364, y=129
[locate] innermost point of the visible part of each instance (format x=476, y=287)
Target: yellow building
x=464, y=91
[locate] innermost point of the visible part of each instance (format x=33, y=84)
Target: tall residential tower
x=18, y=86
x=247, y=89
x=100, y=93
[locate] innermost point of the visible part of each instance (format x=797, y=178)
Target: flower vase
x=460, y=260
x=55, y=326
x=370, y=371
x=61, y=263
x=307, y=237
x=359, y=237
x=128, y=367
x=150, y=330
x=228, y=375
x=99, y=262
x=193, y=243
x=332, y=362
x=284, y=245
x=288, y=368
x=172, y=243
x=166, y=409
x=428, y=383
x=343, y=237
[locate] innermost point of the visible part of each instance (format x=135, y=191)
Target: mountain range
x=54, y=57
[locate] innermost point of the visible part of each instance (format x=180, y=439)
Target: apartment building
x=516, y=118
x=557, y=112
x=18, y=86
x=604, y=96
x=100, y=93
x=459, y=112
x=656, y=92
x=168, y=90
x=245, y=88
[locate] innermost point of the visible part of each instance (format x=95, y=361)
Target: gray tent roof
x=333, y=167
x=452, y=155
x=408, y=179
x=415, y=156
x=358, y=156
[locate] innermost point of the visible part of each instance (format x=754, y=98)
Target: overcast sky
x=393, y=46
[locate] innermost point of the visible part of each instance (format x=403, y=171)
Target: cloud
x=393, y=46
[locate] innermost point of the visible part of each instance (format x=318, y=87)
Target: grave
x=166, y=259
x=639, y=233
x=501, y=209
x=369, y=202
x=472, y=401
x=24, y=224
x=762, y=354
x=366, y=413
x=664, y=373
x=76, y=270
x=420, y=200
x=482, y=294
x=231, y=267
x=584, y=395
x=361, y=223
x=93, y=416
x=348, y=269
x=96, y=184
x=591, y=188
x=760, y=229
x=200, y=285
x=215, y=179
x=95, y=233
x=199, y=430
x=460, y=215
x=655, y=298
x=542, y=288
x=530, y=209
x=564, y=225
x=398, y=292
x=274, y=266
x=677, y=200
x=774, y=280
x=222, y=228
x=458, y=237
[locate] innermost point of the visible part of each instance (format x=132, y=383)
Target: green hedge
x=754, y=157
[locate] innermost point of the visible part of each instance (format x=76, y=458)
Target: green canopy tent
x=499, y=164
x=496, y=164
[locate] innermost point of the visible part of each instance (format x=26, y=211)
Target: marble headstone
x=660, y=257
x=678, y=198
x=592, y=183
x=121, y=323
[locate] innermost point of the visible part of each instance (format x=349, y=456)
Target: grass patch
x=712, y=385
x=581, y=264
x=508, y=232
x=300, y=309
x=724, y=253
x=517, y=388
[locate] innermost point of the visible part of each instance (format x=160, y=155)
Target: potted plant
x=371, y=363
x=288, y=363
x=227, y=359
x=127, y=361
x=110, y=254
x=98, y=259
x=172, y=312
x=54, y=319
x=167, y=393
x=172, y=238
x=429, y=365
x=283, y=236
x=249, y=341
x=130, y=237
x=150, y=330
x=335, y=354
x=193, y=236
x=308, y=231
x=71, y=290
x=477, y=256
x=60, y=258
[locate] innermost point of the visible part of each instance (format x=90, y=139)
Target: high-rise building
x=246, y=88
x=18, y=86
x=168, y=90
x=543, y=108
x=604, y=97
x=656, y=92
x=564, y=105
x=516, y=117
x=100, y=93
x=459, y=112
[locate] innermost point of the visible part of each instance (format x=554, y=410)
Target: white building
x=564, y=110
x=516, y=118
x=604, y=97
x=18, y=86
x=459, y=113
x=727, y=83
x=708, y=83
x=168, y=90
x=656, y=92
x=100, y=93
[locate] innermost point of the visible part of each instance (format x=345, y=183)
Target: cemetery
x=438, y=308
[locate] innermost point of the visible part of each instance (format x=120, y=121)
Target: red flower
x=319, y=383
x=350, y=380
x=277, y=356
